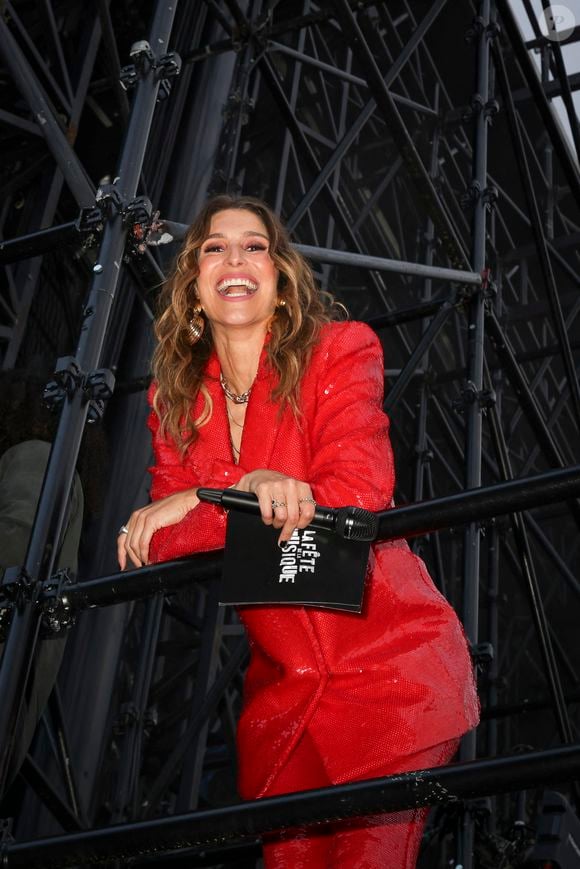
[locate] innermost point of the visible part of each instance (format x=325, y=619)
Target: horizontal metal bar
x=166, y=577
x=407, y=315
x=35, y=243
x=483, y=503
x=360, y=260
x=552, y=89
x=440, y=786
x=526, y=706
x=545, y=41
x=410, y=521
x=380, y=264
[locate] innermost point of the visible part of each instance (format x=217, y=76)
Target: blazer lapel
x=261, y=426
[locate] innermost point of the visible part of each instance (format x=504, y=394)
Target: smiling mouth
x=236, y=287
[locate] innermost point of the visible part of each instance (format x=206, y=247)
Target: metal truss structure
x=415, y=152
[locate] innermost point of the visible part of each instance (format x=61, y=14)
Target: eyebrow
x=248, y=232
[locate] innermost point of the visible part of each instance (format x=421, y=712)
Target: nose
x=235, y=254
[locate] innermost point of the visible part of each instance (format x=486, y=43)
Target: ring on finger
x=278, y=503
x=307, y=501
x=122, y=530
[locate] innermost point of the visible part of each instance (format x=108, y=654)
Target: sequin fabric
x=361, y=691
x=381, y=841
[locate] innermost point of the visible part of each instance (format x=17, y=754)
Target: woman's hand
x=284, y=502
x=134, y=544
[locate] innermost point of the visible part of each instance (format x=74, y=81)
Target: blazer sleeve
x=352, y=459
x=203, y=528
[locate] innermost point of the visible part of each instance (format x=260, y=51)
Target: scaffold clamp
x=57, y=612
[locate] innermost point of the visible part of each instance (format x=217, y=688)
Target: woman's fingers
x=127, y=544
x=307, y=506
x=135, y=540
x=121, y=551
x=296, y=510
x=285, y=503
x=267, y=502
x=300, y=513
x=134, y=545
x=288, y=516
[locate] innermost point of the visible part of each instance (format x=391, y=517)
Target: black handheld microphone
x=352, y=523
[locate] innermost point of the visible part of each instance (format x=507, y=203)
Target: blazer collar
x=261, y=425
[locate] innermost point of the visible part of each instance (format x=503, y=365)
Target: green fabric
x=22, y=470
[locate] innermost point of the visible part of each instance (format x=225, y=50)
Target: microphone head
x=354, y=523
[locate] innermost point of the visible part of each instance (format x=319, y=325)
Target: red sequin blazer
x=369, y=688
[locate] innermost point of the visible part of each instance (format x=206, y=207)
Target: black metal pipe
x=407, y=315
x=475, y=356
x=525, y=706
x=411, y=521
x=376, y=263
x=35, y=243
x=167, y=578
x=474, y=505
x=356, y=259
x=440, y=786
x=476, y=331
x=46, y=534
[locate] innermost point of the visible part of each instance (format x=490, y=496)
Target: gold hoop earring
x=195, y=326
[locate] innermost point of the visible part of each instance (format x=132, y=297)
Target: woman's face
x=237, y=281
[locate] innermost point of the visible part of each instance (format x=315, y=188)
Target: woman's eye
x=213, y=248
x=256, y=246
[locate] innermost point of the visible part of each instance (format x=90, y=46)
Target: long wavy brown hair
x=178, y=367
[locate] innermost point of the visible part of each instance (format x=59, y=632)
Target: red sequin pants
x=389, y=841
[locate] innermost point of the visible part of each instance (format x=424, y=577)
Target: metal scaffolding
x=417, y=154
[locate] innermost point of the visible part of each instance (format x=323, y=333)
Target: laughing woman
x=258, y=385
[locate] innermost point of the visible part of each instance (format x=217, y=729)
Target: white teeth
x=224, y=286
